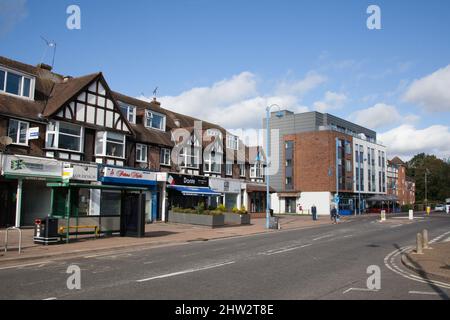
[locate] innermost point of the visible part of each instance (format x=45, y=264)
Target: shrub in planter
x=243, y=210
x=222, y=208
x=235, y=210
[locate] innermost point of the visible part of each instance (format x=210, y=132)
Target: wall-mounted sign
x=33, y=133
x=26, y=166
x=127, y=176
x=82, y=172
x=187, y=180
x=225, y=185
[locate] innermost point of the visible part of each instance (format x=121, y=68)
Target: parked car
x=440, y=207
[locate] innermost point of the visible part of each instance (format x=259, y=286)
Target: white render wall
x=322, y=201
x=377, y=147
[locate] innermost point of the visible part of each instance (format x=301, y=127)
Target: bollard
x=419, y=244
x=383, y=215
x=425, y=239
x=411, y=215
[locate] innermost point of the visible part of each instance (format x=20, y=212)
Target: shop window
x=18, y=131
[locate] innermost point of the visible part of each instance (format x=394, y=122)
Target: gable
x=94, y=105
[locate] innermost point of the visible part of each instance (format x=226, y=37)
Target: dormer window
x=128, y=111
x=155, y=121
x=16, y=84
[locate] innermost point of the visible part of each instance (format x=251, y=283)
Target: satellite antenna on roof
x=49, y=44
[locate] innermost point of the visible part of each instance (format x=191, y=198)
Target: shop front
x=230, y=191
x=256, y=197
x=24, y=193
x=108, y=202
x=188, y=191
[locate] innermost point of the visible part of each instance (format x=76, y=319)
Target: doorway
x=133, y=215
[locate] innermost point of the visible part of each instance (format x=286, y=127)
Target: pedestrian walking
x=314, y=212
x=333, y=215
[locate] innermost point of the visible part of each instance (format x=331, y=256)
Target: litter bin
x=274, y=223
x=271, y=212
x=46, y=231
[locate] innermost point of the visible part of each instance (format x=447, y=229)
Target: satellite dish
x=6, y=141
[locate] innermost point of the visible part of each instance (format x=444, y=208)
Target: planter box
x=235, y=218
x=197, y=219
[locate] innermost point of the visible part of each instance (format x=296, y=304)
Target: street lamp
x=279, y=115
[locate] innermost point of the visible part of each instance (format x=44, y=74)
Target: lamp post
x=427, y=172
x=279, y=115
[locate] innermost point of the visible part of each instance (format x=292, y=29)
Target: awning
x=195, y=191
x=259, y=187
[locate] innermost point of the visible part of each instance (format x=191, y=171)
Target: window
x=242, y=169
x=64, y=136
x=256, y=170
x=18, y=131
x=110, y=144
x=232, y=142
x=156, y=121
x=348, y=166
x=16, y=84
x=348, y=148
x=165, y=157
x=213, y=162
x=141, y=153
x=229, y=169
x=128, y=111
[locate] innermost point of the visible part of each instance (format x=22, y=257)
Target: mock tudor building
x=57, y=128
x=318, y=154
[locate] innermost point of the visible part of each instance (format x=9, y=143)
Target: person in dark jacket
x=333, y=214
x=314, y=212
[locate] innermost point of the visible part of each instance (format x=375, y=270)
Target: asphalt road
x=327, y=262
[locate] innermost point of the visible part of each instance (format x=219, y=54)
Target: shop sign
x=33, y=133
x=224, y=185
x=121, y=175
x=187, y=180
x=17, y=165
x=82, y=172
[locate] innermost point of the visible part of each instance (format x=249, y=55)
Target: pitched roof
x=397, y=161
x=64, y=91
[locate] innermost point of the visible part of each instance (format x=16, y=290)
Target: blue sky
x=225, y=60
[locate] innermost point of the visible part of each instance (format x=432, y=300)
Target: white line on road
x=271, y=252
x=52, y=298
x=438, y=238
x=187, y=271
x=424, y=293
x=26, y=265
x=323, y=237
x=360, y=289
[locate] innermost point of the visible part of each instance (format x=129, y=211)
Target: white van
x=447, y=206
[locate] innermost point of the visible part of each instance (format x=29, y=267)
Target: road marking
x=26, y=265
x=187, y=271
x=52, y=298
x=283, y=250
x=389, y=262
x=360, y=289
x=438, y=238
x=323, y=237
x=424, y=293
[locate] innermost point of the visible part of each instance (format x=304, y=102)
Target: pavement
x=156, y=235
x=355, y=260
x=434, y=263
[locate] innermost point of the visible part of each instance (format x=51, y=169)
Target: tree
x=438, y=176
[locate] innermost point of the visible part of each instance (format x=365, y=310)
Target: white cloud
x=301, y=87
x=235, y=103
x=11, y=13
x=380, y=115
x=332, y=100
x=431, y=92
x=406, y=141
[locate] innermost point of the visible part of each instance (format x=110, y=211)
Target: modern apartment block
x=71, y=144
x=319, y=154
